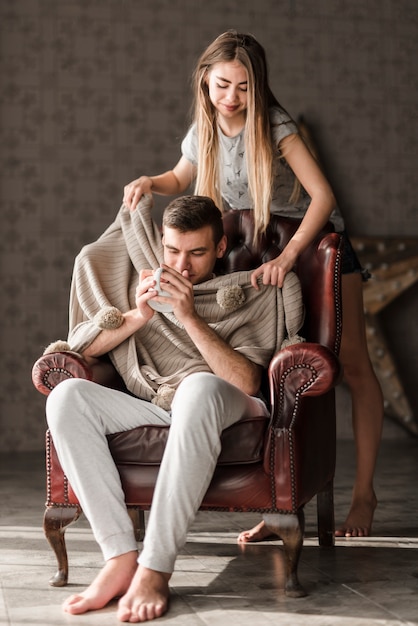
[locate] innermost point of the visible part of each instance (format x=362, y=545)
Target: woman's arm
x=311, y=177
x=170, y=183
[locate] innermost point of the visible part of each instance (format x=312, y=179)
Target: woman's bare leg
x=367, y=415
x=367, y=408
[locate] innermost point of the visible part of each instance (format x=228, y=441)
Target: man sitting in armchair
x=196, y=367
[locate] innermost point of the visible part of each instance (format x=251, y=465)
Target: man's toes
x=75, y=605
x=123, y=613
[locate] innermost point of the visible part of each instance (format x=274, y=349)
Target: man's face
x=193, y=254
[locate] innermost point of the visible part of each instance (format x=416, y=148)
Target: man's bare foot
x=146, y=598
x=257, y=533
x=360, y=518
x=113, y=580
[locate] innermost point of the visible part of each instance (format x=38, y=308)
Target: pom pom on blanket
x=230, y=297
x=108, y=318
x=292, y=340
x=164, y=397
x=57, y=346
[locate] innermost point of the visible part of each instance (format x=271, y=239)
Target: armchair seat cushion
x=242, y=443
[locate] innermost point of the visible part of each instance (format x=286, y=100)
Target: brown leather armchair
x=271, y=466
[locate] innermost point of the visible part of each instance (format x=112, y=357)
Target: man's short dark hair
x=189, y=213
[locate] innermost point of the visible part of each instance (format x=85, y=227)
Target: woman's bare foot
x=146, y=598
x=113, y=580
x=257, y=533
x=358, y=523
x=360, y=518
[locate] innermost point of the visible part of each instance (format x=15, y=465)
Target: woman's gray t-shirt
x=233, y=170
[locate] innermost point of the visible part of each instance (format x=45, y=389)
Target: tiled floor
x=360, y=582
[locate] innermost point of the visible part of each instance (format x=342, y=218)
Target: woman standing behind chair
x=245, y=152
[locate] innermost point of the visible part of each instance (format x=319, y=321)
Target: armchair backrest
x=318, y=268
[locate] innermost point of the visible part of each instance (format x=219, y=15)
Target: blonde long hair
x=233, y=46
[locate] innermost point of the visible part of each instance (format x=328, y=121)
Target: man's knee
x=198, y=387
x=201, y=394
x=65, y=398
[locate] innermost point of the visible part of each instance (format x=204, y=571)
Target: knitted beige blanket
x=155, y=360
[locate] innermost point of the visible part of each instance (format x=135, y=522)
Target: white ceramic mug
x=162, y=307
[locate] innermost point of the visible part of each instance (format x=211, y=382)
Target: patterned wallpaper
x=96, y=92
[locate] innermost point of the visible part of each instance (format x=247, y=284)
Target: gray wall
x=95, y=92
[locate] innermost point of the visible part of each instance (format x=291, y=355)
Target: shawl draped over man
x=155, y=359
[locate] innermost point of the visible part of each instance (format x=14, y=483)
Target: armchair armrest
x=302, y=369
x=51, y=369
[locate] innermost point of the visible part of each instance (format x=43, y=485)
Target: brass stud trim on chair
x=54, y=370
x=48, y=471
x=289, y=431
x=337, y=279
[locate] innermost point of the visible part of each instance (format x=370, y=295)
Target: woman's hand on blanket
x=273, y=272
x=134, y=191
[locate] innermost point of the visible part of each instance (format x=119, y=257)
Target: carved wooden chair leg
x=325, y=513
x=56, y=520
x=138, y=520
x=290, y=528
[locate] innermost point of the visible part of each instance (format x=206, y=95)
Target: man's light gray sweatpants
x=80, y=414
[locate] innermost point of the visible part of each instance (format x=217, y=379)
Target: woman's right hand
x=133, y=192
